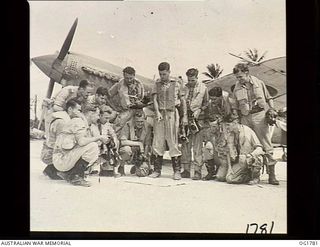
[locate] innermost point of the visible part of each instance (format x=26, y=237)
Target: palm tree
x=214, y=72
x=253, y=55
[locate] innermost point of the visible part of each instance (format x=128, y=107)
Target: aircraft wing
x=272, y=72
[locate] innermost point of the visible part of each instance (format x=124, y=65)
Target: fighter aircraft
x=69, y=68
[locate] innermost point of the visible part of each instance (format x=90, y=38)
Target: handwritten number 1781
x=263, y=228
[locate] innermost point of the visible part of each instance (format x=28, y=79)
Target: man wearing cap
x=246, y=159
x=129, y=92
x=219, y=106
x=133, y=142
x=196, y=95
x=252, y=100
x=168, y=94
x=55, y=126
x=76, y=149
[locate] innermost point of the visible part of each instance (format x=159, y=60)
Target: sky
x=144, y=33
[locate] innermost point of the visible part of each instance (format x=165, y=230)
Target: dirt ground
x=136, y=204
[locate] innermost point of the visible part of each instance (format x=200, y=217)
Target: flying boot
x=176, y=165
x=157, y=167
x=212, y=170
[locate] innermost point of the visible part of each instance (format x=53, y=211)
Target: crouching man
x=56, y=121
x=219, y=106
x=133, y=142
x=76, y=149
x=209, y=152
x=245, y=165
x=216, y=151
x=108, y=161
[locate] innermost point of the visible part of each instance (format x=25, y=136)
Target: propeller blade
x=50, y=88
x=66, y=45
x=44, y=109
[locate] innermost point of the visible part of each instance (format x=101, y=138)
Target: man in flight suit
x=196, y=95
x=168, y=94
x=252, y=100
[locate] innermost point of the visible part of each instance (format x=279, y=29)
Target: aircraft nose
x=44, y=63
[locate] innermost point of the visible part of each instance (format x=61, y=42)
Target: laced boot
x=157, y=167
x=272, y=176
x=76, y=174
x=176, y=165
x=51, y=172
x=211, y=170
x=79, y=181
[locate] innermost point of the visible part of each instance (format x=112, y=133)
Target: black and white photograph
x=158, y=116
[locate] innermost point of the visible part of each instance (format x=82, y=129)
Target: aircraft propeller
x=56, y=65
x=62, y=54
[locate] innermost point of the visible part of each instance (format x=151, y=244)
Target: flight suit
x=249, y=97
x=132, y=133
x=126, y=96
x=246, y=142
x=216, y=149
x=166, y=130
x=67, y=151
x=196, y=98
x=213, y=112
x=56, y=121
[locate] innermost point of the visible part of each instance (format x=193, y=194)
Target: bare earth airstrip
x=133, y=204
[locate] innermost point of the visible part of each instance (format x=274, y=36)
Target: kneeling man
x=76, y=149
x=246, y=163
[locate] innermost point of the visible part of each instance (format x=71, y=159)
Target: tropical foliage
x=214, y=71
x=254, y=56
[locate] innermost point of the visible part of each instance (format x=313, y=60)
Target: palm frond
x=206, y=81
x=263, y=56
x=214, y=71
x=247, y=54
x=209, y=75
x=219, y=73
x=251, y=54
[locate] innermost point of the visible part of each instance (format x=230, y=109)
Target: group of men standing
x=226, y=133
